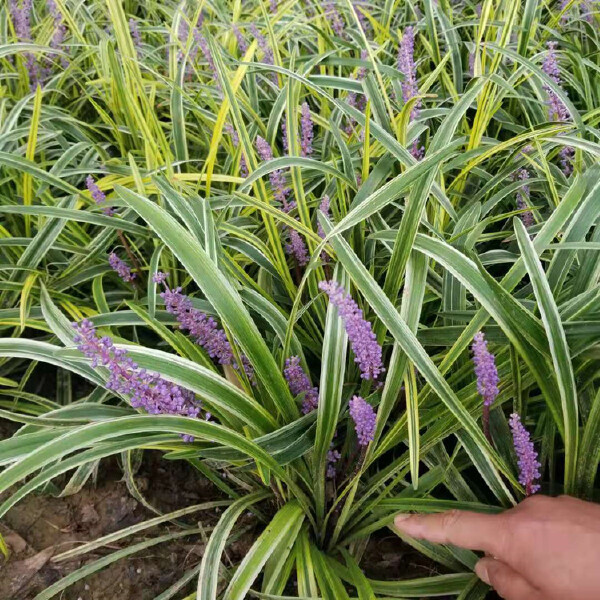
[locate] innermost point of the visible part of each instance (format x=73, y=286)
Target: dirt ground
x=42, y=526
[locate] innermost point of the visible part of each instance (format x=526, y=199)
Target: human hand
x=543, y=549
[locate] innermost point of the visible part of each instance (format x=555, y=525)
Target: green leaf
x=558, y=347
x=208, y=577
x=287, y=520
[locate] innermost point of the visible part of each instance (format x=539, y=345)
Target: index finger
x=466, y=529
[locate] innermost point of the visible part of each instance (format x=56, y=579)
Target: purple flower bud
x=203, y=329
x=228, y=127
x=284, y=136
x=324, y=208
x=268, y=56
x=307, y=130
x=280, y=190
x=243, y=166
x=208, y=57
x=122, y=269
x=333, y=456
x=523, y=198
x=146, y=390
x=357, y=101
x=408, y=68
x=273, y=6
x=21, y=18
x=563, y=4
x=529, y=466
x=364, y=418
x=236, y=140
x=98, y=195
x=362, y=19
x=417, y=151
x=567, y=154
x=60, y=30
x=363, y=340
x=335, y=19
x=242, y=44
x=183, y=34
x=159, y=277
x=472, y=63
x=299, y=383
x=557, y=111
x=136, y=36
x=297, y=248
x=588, y=10
x=485, y=369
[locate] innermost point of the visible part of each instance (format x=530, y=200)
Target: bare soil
x=42, y=526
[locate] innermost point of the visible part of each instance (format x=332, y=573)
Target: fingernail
x=400, y=518
x=482, y=572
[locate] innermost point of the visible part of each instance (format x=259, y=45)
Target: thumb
x=508, y=583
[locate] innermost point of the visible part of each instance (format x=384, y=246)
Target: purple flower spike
x=136, y=36
x=529, y=466
x=307, y=130
x=335, y=19
x=149, y=391
x=363, y=340
x=588, y=10
x=522, y=199
x=485, y=369
x=408, y=68
x=21, y=18
x=297, y=248
x=487, y=378
x=472, y=63
x=284, y=137
x=228, y=127
x=299, y=383
x=273, y=6
x=364, y=418
x=208, y=57
x=557, y=111
x=98, y=195
x=60, y=30
x=235, y=139
x=159, y=277
x=243, y=166
x=364, y=22
x=242, y=44
x=203, y=329
x=122, y=269
x=333, y=456
x=268, y=56
x=567, y=154
x=417, y=151
x=280, y=191
x=357, y=101
x=324, y=208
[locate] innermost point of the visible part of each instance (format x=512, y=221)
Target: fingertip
x=482, y=570
x=401, y=521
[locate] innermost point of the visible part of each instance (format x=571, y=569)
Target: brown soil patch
x=41, y=526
